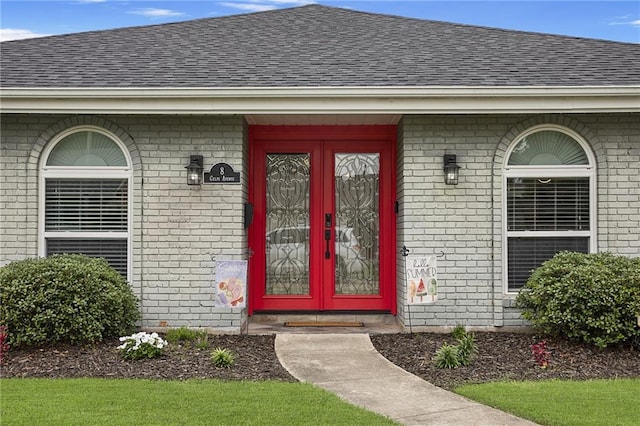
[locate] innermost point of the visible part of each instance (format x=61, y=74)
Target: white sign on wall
x=422, y=280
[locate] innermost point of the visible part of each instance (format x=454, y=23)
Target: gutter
x=322, y=100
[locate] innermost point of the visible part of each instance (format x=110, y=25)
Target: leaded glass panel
x=287, y=224
x=357, y=227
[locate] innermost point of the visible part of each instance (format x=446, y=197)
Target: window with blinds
x=86, y=198
x=113, y=251
x=86, y=205
x=551, y=213
x=526, y=254
x=548, y=204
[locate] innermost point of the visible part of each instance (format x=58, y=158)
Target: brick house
x=339, y=124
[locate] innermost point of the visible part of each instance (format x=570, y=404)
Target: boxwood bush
x=65, y=298
x=594, y=298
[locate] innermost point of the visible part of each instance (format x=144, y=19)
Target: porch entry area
x=323, y=231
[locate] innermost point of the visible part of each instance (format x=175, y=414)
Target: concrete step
x=267, y=323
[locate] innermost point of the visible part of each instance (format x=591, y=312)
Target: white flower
x=135, y=341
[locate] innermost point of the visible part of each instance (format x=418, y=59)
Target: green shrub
x=65, y=298
x=186, y=335
x=447, y=356
x=203, y=340
x=459, y=331
x=223, y=358
x=466, y=348
x=594, y=298
x=182, y=334
x=454, y=356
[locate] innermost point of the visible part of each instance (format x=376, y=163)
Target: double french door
x=323, y=234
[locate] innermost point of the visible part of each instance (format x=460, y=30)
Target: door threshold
x=314, y=322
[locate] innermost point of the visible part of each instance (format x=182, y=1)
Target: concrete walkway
x=349, y=366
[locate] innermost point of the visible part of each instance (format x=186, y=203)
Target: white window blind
x=526, y=254
x=86, y=205
x=548, y=204
x=113, y=251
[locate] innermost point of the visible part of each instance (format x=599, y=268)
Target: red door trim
x=301, y=139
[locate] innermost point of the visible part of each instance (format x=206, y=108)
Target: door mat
x=323, y=324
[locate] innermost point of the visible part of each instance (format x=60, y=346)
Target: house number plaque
x=221, y=173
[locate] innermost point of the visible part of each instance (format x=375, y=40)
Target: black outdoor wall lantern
x=451, y=169
x=194, y=170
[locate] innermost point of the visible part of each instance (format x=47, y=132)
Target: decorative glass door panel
x=323, y=235
x=287, y=224
x=357, y=185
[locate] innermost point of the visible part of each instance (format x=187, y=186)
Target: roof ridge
x=325, y=7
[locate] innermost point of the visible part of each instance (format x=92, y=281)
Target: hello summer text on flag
x=421, y=279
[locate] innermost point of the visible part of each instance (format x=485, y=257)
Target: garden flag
x=230, y=284
x=422, y=281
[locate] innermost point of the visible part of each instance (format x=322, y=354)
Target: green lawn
x=194, y=402
x=191, y=402
x=556, y=403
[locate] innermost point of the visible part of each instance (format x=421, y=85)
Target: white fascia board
x=322, y=100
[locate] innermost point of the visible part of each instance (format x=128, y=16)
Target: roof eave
x=322, y=100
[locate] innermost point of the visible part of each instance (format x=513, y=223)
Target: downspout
x=497, y=319
x=142, y=217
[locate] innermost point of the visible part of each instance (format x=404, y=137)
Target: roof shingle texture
x=314, y=46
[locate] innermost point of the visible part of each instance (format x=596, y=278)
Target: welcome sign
x=421, y=279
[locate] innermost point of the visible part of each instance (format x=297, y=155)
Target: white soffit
x=334, y=101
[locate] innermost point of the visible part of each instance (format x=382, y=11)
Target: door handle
x=327, y=237
x=328, y=219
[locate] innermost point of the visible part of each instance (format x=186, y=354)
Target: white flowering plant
x=142, y=345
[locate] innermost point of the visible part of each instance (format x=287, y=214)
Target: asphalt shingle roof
x=315, y=46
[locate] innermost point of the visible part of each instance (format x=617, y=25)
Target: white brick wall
x=177, y=229
x=185, y=228
x=465, y=220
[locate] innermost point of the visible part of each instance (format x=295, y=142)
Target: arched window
x=85, y=197
x=549, y=200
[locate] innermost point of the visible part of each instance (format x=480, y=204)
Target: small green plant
x=223, y=358
x=461, y=354
x=458, y=331
x=466, y=348
x=142, y=345
x=182, y=334
x=203, y=340
x=447, y=356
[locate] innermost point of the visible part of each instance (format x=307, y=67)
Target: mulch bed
x=507, y=356
x=255, y=359
x=502, y=356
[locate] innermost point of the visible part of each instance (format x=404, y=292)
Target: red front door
x=323, y=233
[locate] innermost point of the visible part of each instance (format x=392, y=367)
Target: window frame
x=553, y=171
x=80, y=172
